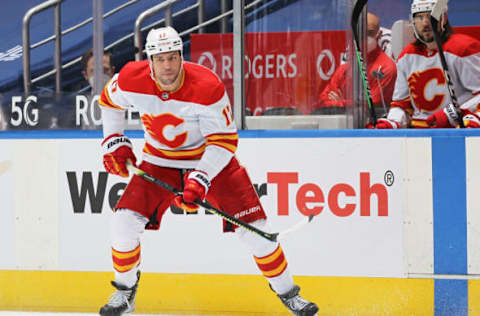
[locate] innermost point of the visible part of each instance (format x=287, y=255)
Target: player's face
x=167, y=67
x=108, y=69
x=423, y=26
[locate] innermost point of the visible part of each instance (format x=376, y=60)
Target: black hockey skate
x=297, y=304
x=122, y=301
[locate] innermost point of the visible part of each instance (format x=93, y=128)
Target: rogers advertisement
x=284, y=69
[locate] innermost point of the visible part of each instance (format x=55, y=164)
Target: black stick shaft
x=446, y=72
x=357, y=10
x=210, y=208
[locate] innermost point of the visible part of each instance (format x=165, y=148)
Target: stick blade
x=438, y=9
x=297, y=226
x=310, y=217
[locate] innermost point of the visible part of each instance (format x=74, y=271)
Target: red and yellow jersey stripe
x=273, y=264
x=106, y=101
x=126, y=261
x=404, y=104
x=417, y=123
x=187, y=154
x=227, y=141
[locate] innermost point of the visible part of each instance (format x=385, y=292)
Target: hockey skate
x=122, y=301
x=297, y=304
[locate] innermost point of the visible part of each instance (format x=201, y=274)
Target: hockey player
x=421, y=98
x=190, y=143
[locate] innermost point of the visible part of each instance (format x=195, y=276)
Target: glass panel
x=396, y=27
x=394, y=34
x=293, y=49
x=299, y=69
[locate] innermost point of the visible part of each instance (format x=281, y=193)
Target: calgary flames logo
x=418, y=82
x=156, y=125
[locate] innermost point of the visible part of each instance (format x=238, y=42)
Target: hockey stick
x=435, y=18
x=379, y=75
x=210, y=208
x=359, y=5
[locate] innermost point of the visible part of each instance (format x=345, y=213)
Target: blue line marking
x=450, y=224
x=451, y=298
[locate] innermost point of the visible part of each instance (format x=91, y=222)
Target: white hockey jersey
x=191, y=127
x=421, y=88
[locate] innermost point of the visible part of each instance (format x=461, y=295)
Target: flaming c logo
x=156, y=124
x=418, y=83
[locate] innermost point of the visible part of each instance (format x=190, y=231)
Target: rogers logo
x=207, y=60
x=310, y=193
x=326, y=53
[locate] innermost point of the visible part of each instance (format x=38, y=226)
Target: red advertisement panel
x=473, y=31
x=282, y=70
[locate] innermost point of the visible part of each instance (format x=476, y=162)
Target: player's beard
x=169, y=81
x=426, y=38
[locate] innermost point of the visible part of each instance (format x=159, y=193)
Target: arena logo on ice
x=342, y=198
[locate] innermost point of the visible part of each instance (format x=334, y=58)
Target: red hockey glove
x=471, y=120
x=383, y=123
x=117, y=149
x=444, y=118
x=195, y=189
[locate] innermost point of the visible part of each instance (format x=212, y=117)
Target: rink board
x=201, y=294
x=385, y=224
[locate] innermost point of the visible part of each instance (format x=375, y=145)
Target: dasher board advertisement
x=355, y=191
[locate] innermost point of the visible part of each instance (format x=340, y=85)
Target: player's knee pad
x=259, y=245
x=126, y=228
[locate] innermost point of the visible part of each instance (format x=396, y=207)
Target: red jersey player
x=190, y=143
x=421, y=97
x=381, y=70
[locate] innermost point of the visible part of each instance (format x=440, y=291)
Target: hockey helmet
x=163, y=40
x=422, y=6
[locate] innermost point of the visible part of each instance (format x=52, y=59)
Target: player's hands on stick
x=117, y=149
x=445, y=118
x=195, y=189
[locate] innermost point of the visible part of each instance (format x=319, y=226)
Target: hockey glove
x=383, y=123
x=195, y=189
x=445, y=118
x=471, y=120
x=117, y=149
